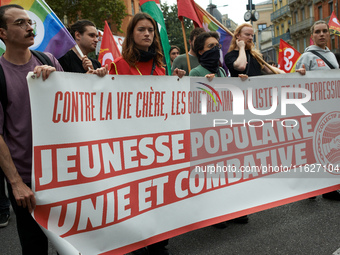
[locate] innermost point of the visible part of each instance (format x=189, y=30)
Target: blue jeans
x=4, y=201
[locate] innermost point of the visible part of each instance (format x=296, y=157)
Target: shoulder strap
x=221, y=70
x=3, y=92
x=248, y=65
x=153, y=66
x=323, y=58
x=42, y=57
x=3, y=89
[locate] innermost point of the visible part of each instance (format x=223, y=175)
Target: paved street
x=306, y=227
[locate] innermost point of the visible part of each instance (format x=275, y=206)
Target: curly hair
x=257, y=55
x=200, y=41
x=130, y=52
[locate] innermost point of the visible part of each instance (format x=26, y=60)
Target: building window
x=320, y=12
x=330, y=4
x=310, y=11
x=333, y=42
x=303, y=16
x=298, y=45
x=304, y=43
x=261, y=27
x=132, y=7
x=277, y=30
x=296, y=17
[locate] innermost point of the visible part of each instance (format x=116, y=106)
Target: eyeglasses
x=212, y=45
x=24, y=23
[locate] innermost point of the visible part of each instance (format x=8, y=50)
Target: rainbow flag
x=51, y=34
x=201, y=18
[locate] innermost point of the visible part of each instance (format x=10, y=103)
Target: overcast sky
x=235, y=9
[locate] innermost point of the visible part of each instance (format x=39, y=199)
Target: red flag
x=288, y=56
x=334, y=25
x=141, y=2
x=187, y=8
x=108, y=50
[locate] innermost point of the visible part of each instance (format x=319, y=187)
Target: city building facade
x=282, y=21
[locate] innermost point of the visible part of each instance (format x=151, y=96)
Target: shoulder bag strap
x=3, y=91
x=323, y=58
x=153, y=66
x=42, y=57
x=248, y=64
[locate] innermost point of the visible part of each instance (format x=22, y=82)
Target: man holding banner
x=16, y=30
x=76, y=60
x=181, y=61
x=242, y=58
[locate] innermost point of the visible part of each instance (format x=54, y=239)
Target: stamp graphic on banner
x=326, y=141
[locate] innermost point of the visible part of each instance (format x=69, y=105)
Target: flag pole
x=186, y=46
x=269, y=66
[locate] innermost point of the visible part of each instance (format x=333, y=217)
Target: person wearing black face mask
x=207, y=49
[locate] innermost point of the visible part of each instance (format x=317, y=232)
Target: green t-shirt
x=181, y=63
x=200, y=71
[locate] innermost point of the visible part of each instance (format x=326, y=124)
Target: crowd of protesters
x=141, y=55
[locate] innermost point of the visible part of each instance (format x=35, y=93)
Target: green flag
x=151, y=8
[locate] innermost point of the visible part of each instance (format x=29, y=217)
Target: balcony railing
x=305, y=24
x=280, y=12
x=285, y=37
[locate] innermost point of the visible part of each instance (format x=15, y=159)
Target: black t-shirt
x=72, y=63
x=254, y=67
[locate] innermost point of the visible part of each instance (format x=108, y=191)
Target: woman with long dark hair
x=142, y=52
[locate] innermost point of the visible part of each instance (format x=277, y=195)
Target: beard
x=249, y=45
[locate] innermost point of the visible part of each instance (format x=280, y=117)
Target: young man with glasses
x=17, y=32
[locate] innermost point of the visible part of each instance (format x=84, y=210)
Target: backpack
x=43, y=58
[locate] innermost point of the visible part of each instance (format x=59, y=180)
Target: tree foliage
x=96, y=11
x=174, y=26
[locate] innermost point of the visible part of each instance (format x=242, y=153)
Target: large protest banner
x=121, y=162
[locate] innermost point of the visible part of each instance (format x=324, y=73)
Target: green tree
x=174, y=26
x=97, y=11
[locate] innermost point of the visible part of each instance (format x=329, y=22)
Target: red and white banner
x=121, y=162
